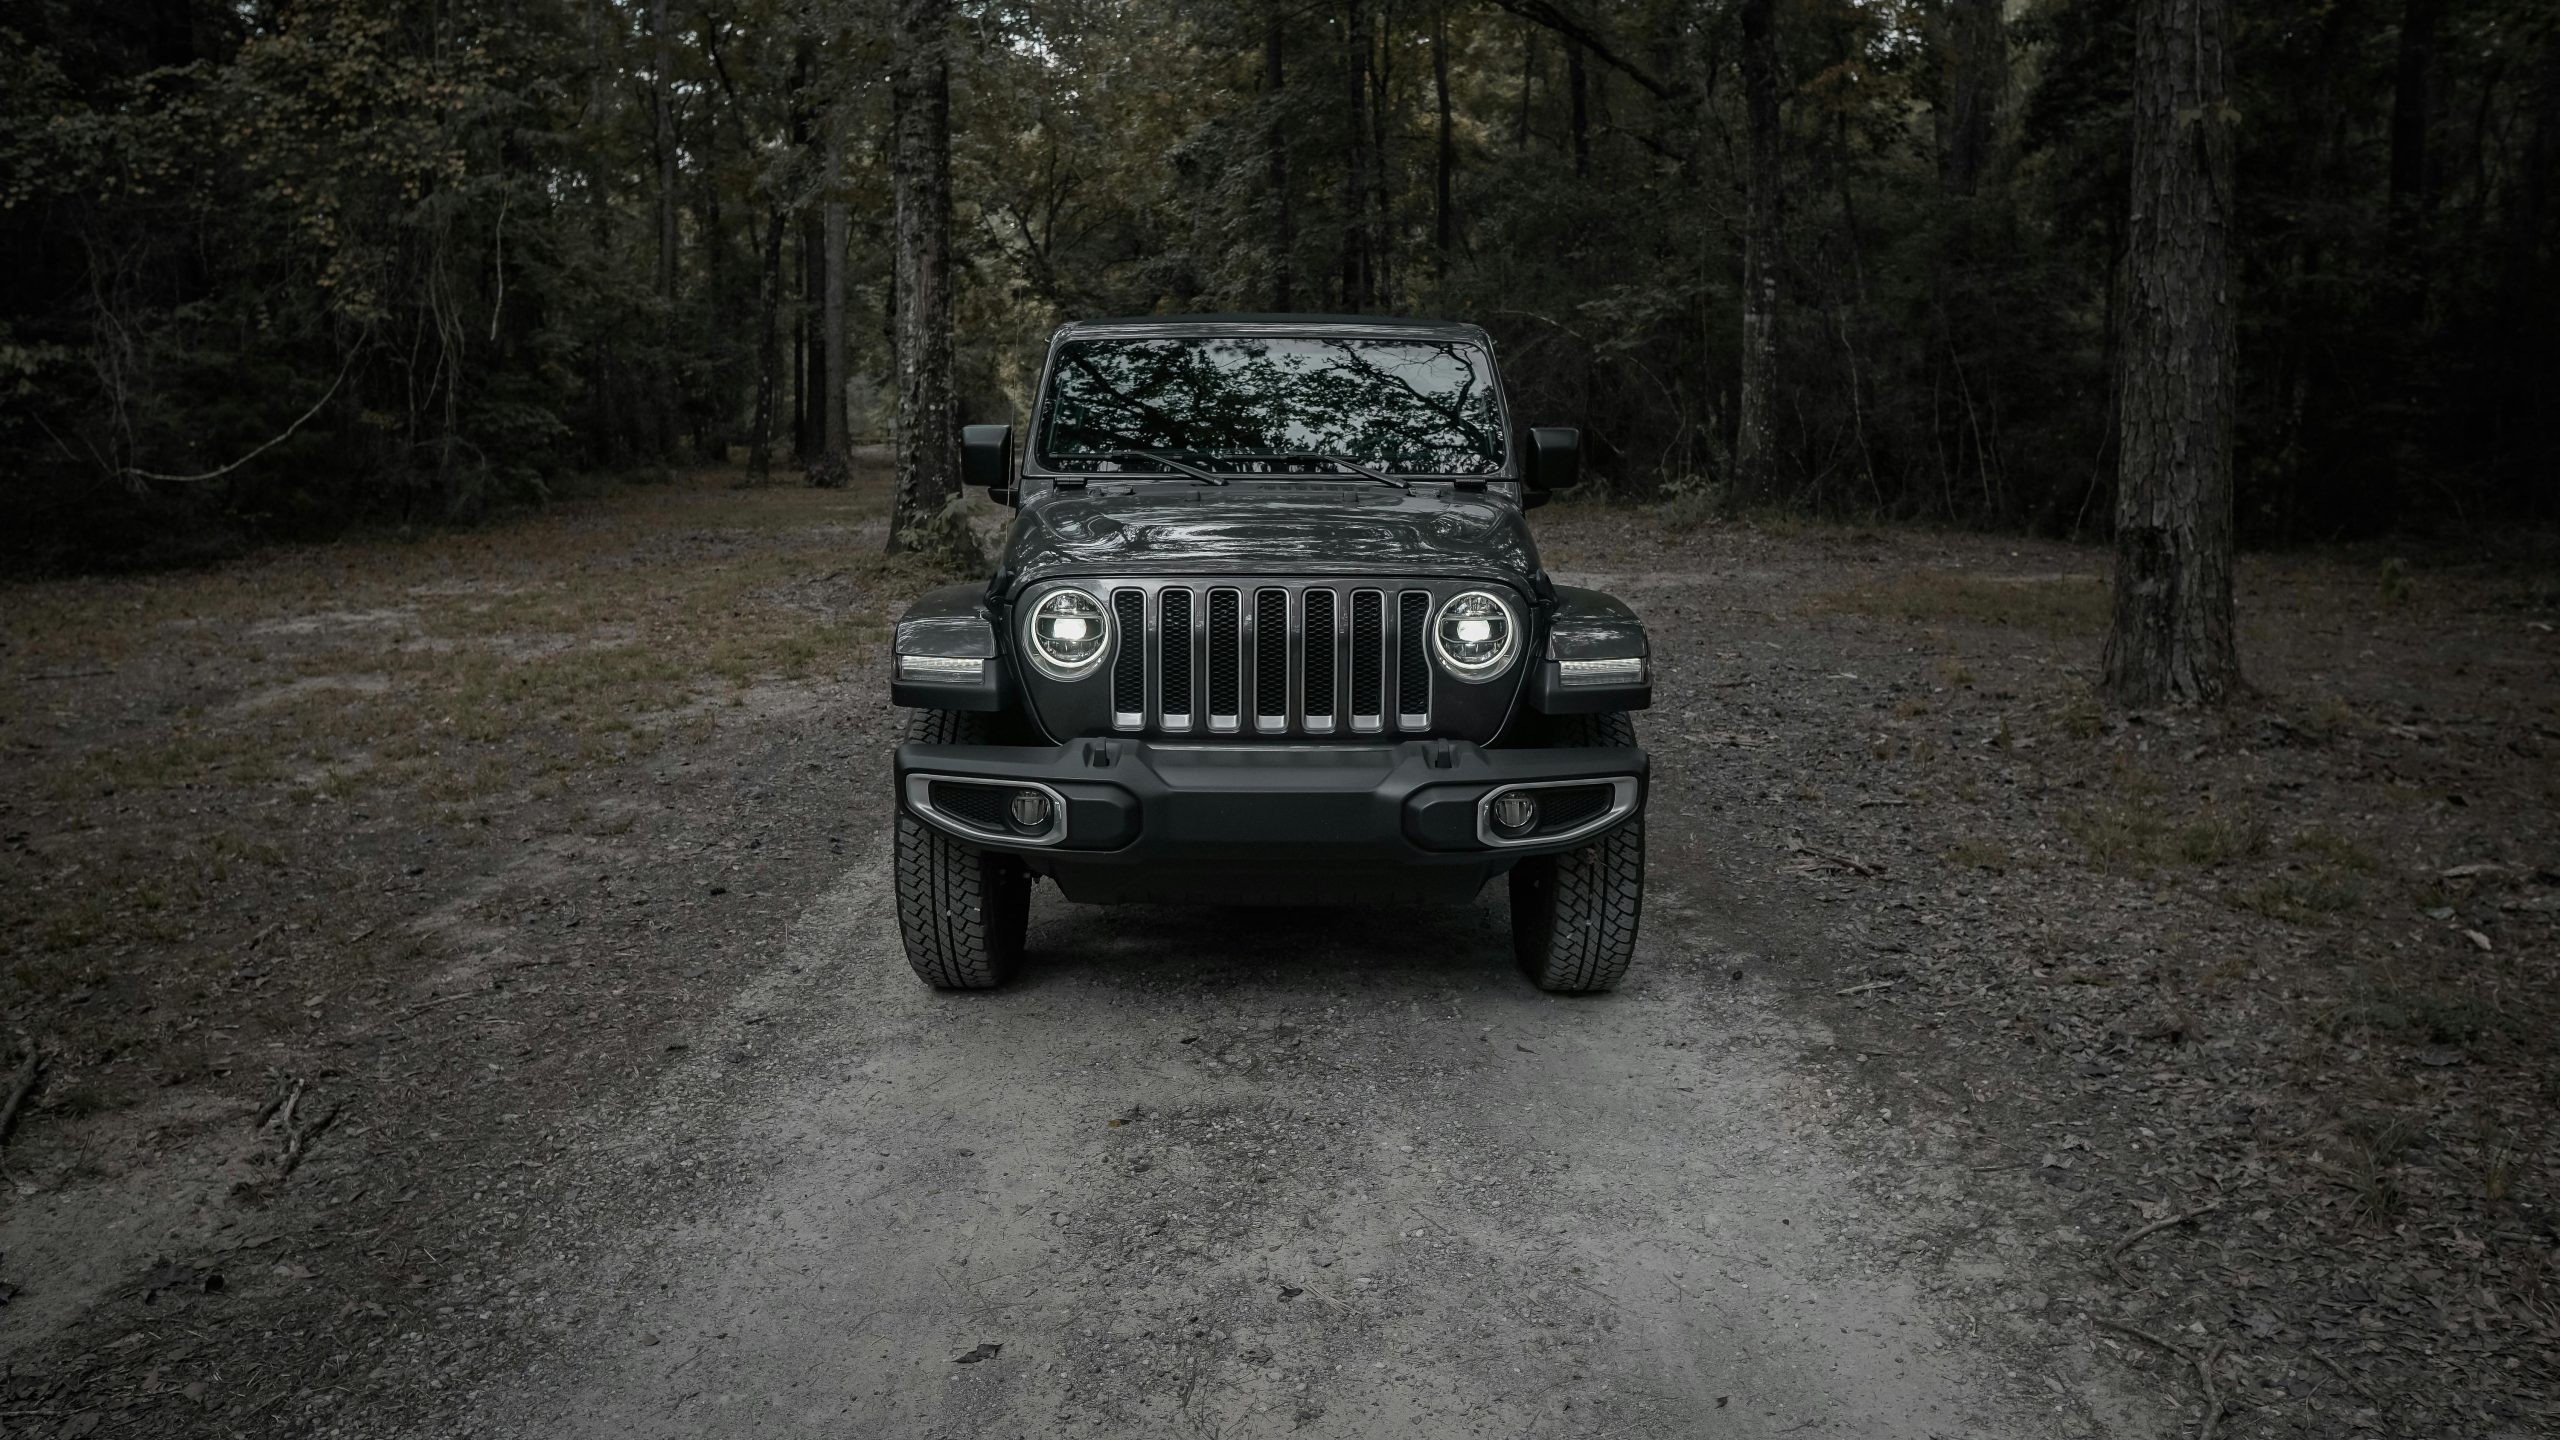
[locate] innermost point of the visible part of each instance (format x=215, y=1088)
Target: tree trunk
x=1381, y=225
x=1275, y=83
x=1577, y=86
x=2171, y=639
x=663, y=132
x=1755, y=443
x=1977, y=86
x=920, y=164
x=1528, y=84
x=1446, y=163
x=768, y=348
x=2411, y=94
x=1355, y=56
x=811, y=441
x=834, y=464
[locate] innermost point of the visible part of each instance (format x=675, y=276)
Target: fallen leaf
x=2476, y=938
x=983, y=1352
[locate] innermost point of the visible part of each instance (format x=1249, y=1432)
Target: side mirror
x=1555, y=457
x=986, y=458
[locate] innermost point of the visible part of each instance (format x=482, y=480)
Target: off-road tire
x=1574, y=916
x=961, y=911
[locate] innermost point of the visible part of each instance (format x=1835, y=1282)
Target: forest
x=277, y=268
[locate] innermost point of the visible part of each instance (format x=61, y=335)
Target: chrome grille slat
x=1271, y=659
x=1226, y=659
x=1129, y=667
x=1175, y=636
x=1413, y=665
x=1316, y=671
x=1368, y=660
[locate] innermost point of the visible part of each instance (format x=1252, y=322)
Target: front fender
x=1590, y=625
x=949, y=623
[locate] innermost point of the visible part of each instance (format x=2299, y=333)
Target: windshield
x=1265, y=403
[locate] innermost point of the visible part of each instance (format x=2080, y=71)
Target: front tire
x=1574, y=916
x=961, y=911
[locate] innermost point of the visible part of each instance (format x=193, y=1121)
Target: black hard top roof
x=1381, y=326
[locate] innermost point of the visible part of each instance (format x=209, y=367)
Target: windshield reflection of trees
x=1420, y=408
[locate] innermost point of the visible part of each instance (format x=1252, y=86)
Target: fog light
x=1515, y=812
x=1031, y=810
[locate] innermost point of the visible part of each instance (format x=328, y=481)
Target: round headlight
x=1069, y=631
x=1475, y=635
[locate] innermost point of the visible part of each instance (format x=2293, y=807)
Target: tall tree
x=1755, y=444
x=1977, y=82
x=1355, y=257
x=1445, y=159
x=662, y=132
x=2171, y=638
x=1275, y=92
x=834, y=465
x=920, y=166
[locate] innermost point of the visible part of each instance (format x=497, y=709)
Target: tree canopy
x=275, y=266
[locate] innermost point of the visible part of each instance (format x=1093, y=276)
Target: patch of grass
x=2399, y=1001
x=1687, y=503
x=1983, y=855
x=2336, y=849
x=2329, y=718
x=2399, y=586
x=2062, y=606
x=2080, y=716
x=2138, y=837
x=2299, y=895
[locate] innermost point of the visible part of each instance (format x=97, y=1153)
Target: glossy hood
x=1279, y=528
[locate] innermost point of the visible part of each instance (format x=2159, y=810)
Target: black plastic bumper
x=1292, y=823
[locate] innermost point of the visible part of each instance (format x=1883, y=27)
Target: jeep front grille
x=1271, y=658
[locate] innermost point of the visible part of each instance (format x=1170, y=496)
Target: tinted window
x=1409, y=406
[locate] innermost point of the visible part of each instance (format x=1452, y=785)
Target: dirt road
x=1247, y=1172
x=1268, y=1172
x=471, y=1007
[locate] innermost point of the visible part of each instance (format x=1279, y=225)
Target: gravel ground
x=1949, y=984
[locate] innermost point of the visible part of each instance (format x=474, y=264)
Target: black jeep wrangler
x=1270, y=629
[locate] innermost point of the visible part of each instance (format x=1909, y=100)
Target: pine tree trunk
x=2171, y=640
x=811, y=440
x=1381, y=222
x=1275, y=84
x=920, y=164
x=1528, y=83
x=1978, y=83
x=1577, y=87
x=1755, y=443
x=1355, y=186
x=663, y=129
x=768, y=348
x=1443, y=222
x=834, y=466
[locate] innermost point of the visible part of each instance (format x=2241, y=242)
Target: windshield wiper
x=1339, y=462
x=1165, y=460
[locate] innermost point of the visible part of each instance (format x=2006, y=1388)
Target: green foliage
x=279, y=266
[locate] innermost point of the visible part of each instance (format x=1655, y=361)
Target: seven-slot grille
x=1271, y=659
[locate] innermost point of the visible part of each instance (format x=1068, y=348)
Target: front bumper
x=1294, y=823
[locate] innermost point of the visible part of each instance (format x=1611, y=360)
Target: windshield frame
x=1039, y=462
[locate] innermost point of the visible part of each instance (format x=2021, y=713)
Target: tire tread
x=961, y=911
x=1574, y=917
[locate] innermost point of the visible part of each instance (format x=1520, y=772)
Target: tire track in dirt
x=1243, y=1173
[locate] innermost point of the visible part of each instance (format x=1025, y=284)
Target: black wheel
x=1574, y=916
x=961, y=911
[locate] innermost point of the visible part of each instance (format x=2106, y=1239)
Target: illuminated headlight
x=1629, y=671
x=946, y=668
x=1475, y=635
x=1068, y=632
